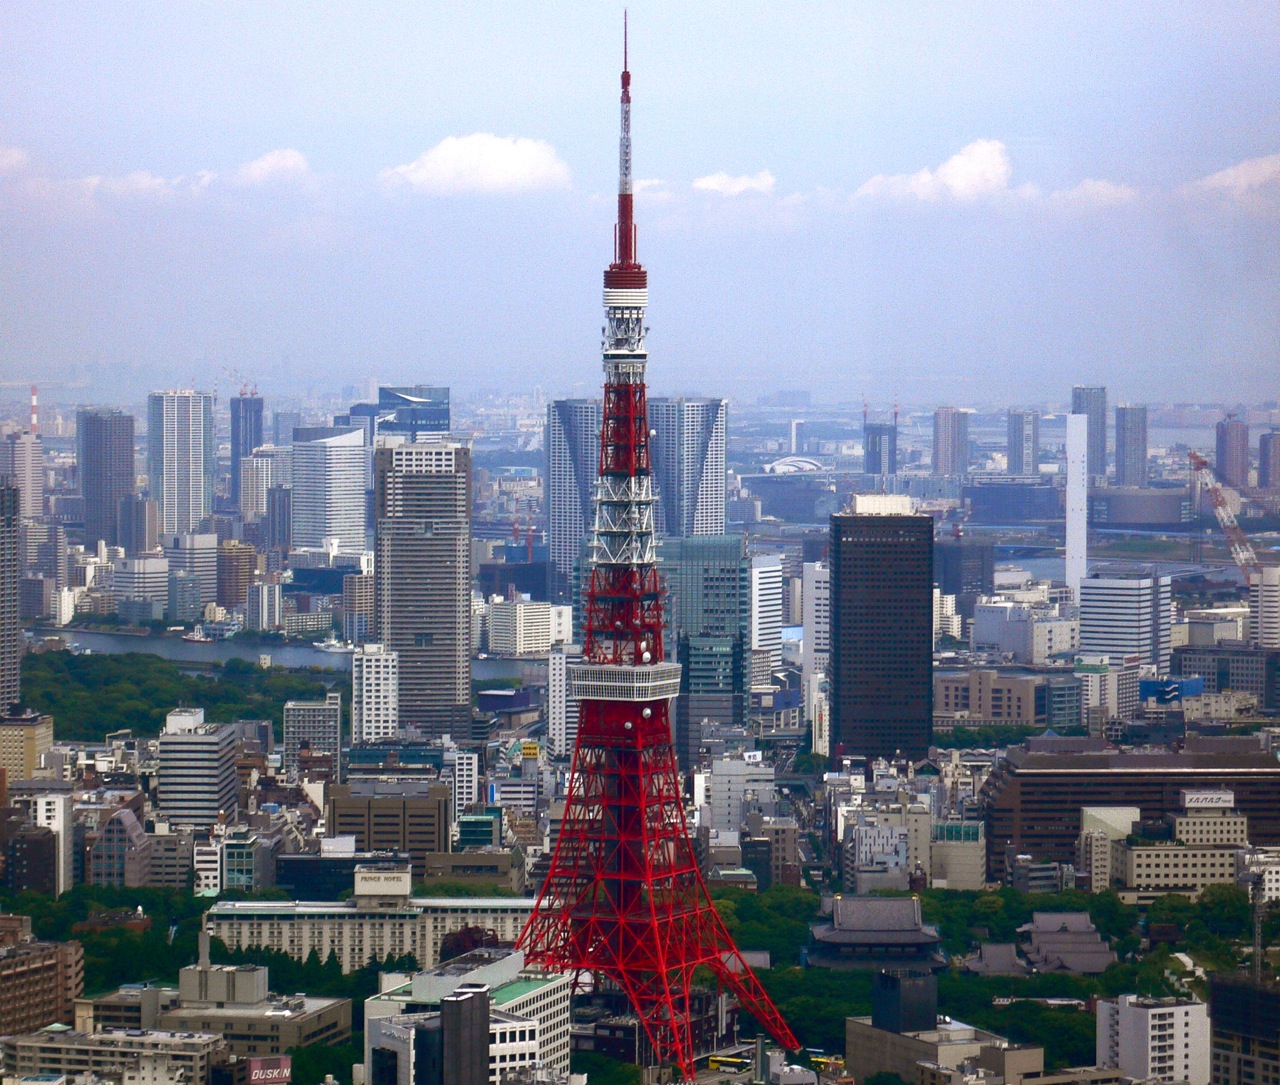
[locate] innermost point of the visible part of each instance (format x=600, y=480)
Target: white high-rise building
x=197, y=554
x=180, y=458
x=688, y=449
x=53, y=811
x=519, y=627
x=766, y=606
x=1077, y=502
x=1264, y=607
x=1129, y=615
x=196, y=780
x=815, y=608
x=267, y=466
x=562, y=707
x=1154, y=1039
x=140, y=578
x=465, y=770
x=330, y=478
x=375, y=694
x=263, y=609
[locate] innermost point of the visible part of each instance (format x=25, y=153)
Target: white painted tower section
x=1077, y=502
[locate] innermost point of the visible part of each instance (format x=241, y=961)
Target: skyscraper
x=137, y=525
x=1024, y=443
x=1077, y=498
x=708, y=624
x=1232, y=465
x=330, y=477
x=881, y=634
x=180, y=458
x=104, y=461
x=688, y=451
x=1131, y=446
x=880, y=446
x=573, y=447
x=422, y=579
x=1269, y=460
x=316, y=725
x=1092, y=403
x=10, y=630
x=1128, y=615
x=688, y=465
x=950, y=441
x=22, y=463
x=1264, y=607
x=246, y=435
x=766, y=606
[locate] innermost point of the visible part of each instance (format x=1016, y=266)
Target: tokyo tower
x=624, y=898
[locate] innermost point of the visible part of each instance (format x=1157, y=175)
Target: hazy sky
x=968, y=202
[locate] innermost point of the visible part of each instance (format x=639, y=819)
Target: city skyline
x=943, y=200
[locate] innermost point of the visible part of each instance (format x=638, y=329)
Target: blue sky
x=974, y=203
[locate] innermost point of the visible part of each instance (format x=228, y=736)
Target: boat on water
x=332, y=644
x=197, y=636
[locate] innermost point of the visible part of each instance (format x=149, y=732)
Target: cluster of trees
x=776, y=920
x=89, y=696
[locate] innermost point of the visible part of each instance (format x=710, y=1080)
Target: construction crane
x=1242, y=552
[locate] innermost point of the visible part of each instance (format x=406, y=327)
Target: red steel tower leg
x=624, y=898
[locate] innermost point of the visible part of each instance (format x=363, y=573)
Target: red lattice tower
x=624, y=898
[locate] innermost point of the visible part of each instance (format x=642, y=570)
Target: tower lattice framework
x=624, y=898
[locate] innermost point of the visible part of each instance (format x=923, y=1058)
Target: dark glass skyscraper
x=104, y=459
x=880, y=443
x=1131, y=446
x=246, y=435
x=881, y=635
x=1092, y=402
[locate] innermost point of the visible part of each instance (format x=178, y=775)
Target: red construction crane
x=1241, y=550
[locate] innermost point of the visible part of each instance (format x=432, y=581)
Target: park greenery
x=90, y=696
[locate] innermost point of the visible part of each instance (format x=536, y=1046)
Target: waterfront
x=291, y=656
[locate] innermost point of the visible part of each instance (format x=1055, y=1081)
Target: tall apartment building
x=880, y=448
x=1232, y=464
x=413, y=816
x=237, y=565
x=375, y=694
x=246, y=435
x=10, y=631
x=315, y=724
x=53, y=811
x=104, y=462
x=562, y=706
x=39, y=981
x=1269, y=460
x=881, y=665
x=708, y=581
x=422, y=579
x=181, y=448
x=1131, y=446
x=1128, y=615
x=197, y=770
x=22, y=463
x=765, y=585
x=1092, y=403
x=330, y=478
x=197, y=554
x=950, y=441
x=264, y=606
x=688, y=450
x=1154, y=1039
x=1264, y=607
x=1023, y=443
x=357, y=607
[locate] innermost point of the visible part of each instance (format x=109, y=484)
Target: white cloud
x=282, y=164
x=980, y=169
x=735, y=186
x=482, y=162
x=13, y=159
x=1093, y=192
x=1244, y=178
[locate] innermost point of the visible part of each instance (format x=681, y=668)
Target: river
x=290, y=656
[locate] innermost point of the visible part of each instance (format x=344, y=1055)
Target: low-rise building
x=59, y=1050
x=875, y=933
x=381, y=918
